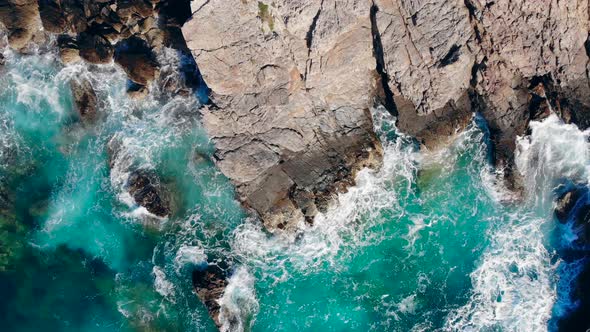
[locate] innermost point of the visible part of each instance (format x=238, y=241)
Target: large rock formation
x=444, y=59
x=281, y=70
x=292, y=85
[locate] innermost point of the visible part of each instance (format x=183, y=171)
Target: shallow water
x=426, y=243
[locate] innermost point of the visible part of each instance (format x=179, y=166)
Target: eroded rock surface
x=21, y=20
x=209, y=283
x=145, y=188
x=292, y=85
x=85, y=99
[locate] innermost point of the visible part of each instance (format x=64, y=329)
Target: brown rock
x=209, y=284
x=68, y=49
x=21, y=19
x=52, y=16
x=145, y=188
x=137, y=60
x=95, y=49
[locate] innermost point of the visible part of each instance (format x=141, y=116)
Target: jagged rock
x=132, y=11
x=145, y=188
x=2, y=60
x=68, y=49
x=52, y=16
x=209, y=284
x=433, y=56
x=85, y=99
x=137, y=59
x=21, y=19
x=292, y=82
x=95, y=49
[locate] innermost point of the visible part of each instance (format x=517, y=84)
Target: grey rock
x=85, y=99
x=292, y=84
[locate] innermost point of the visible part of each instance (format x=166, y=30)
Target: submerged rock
x=147, y=191
x=85, y=99
x=574, y=206
x=566, y=203
x=209, y=284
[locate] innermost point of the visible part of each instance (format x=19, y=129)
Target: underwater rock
x=147, y=191
x=566, y=203
x=85, y=99
x=137, y=91
x=574, y=205
x=209, y=284
x=137, y=60
x=2, y=60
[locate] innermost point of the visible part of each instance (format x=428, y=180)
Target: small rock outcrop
x=145, y=188
x=209, y=284
x=292, y=83
x=137, y=59
x=133, y=33
x=85, y=99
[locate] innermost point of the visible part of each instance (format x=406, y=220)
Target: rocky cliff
x=292, y=81
x=281, y=70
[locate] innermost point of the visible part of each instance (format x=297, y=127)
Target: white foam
x=514, y=286
x=552, y=152
x=239, y=304
x=189, y=255
x=162, y=285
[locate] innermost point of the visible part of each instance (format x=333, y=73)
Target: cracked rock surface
x=292, y=82
x=292, y=85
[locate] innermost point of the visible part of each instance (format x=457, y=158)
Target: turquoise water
x=428, y=242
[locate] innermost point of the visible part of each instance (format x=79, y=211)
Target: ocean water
x=430, y=242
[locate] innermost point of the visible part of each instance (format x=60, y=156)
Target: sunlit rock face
x=292, y=83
